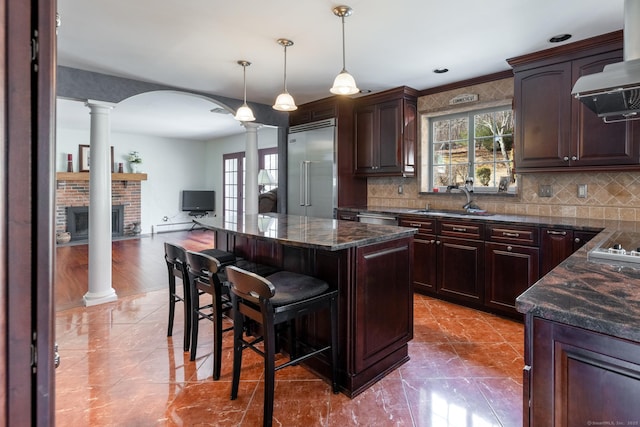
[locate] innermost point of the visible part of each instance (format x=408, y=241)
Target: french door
x=233, y=175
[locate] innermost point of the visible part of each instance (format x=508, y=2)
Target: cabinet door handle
x=432, y=241
x=574, y=158
x=557, y=233
x=509, y=248
x=462, y=230
x=437, y=242
x=565, y=158
x=508, y=234
x=577, y=240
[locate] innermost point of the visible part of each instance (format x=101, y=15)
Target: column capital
x=91, y=103
x=251, y=127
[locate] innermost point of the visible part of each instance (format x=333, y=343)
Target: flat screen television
x=198, y=200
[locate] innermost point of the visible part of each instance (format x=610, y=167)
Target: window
x=476, y=144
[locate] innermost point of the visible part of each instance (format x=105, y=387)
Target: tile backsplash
x=610, y=195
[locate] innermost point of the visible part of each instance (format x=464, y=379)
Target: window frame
x=428, y=120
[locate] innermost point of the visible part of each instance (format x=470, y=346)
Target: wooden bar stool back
x=203, y=271
x=271, y=301
x=175, y=256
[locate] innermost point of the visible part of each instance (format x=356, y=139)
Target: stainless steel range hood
x=614, y=93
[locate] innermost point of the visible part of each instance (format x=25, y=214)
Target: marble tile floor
x=119, y=368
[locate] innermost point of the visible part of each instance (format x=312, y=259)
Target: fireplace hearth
x=78, y=221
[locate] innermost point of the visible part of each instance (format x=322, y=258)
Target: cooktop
x=620, y=246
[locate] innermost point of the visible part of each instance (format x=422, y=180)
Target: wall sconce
x=344, y=84
x=244, y=113
x=284, y=101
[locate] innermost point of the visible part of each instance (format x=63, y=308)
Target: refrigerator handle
x=306, y=180
x=302, y=186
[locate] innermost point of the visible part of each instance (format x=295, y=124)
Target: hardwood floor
x=137, y=265
x=118, y=367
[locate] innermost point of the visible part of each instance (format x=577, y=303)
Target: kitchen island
x=582, y=340
x=369, y=265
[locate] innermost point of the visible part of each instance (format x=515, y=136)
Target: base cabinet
x=576, y=377
x=510, y=270
x=461, y=270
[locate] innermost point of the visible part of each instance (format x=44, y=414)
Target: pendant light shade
x=284, y=101
x=344, y=84
x=244, y=113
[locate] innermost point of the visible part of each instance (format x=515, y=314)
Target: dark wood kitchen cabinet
x=386, y=133
x=577, y=377
x=424, y=253
x=460, y=259
x=512, y=265
x=556, y=244
x=555, y=131
x=351, y=191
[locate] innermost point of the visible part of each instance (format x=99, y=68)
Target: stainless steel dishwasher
x=371, y=218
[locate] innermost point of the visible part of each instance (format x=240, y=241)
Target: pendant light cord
x=285, y=69
x=344, y=66
x=244, y=81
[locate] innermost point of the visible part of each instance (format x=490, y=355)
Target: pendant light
x=244, y=113
x=344, y=84
x=284, y=101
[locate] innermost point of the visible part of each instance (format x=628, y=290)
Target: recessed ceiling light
x=440, y=70
x=560, y=38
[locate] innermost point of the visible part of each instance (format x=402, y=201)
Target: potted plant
x=134, y=161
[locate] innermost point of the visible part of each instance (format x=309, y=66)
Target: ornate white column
x=251, y=169
x=100, y=259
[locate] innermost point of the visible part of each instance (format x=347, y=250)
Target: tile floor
x=120, y=369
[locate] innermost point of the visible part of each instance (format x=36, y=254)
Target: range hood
x=614, y=93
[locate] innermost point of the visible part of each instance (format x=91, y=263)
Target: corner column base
x=91, y=298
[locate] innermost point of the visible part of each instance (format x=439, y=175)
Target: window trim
x=426, y=143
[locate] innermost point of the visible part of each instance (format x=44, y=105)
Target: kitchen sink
x=470, y=212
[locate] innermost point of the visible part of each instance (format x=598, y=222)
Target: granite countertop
x=308, y=232
x=597, y=295
x=544, y=221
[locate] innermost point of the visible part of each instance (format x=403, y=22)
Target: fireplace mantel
x=84, y=176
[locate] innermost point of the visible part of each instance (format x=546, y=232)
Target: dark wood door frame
x=26, y=189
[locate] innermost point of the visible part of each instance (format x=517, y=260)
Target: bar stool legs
x=277, y=299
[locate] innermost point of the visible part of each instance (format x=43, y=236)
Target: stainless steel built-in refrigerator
x=311, y=169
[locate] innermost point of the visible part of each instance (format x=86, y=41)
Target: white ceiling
x=195, y=44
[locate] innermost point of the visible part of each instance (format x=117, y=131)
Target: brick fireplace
x=75, y=193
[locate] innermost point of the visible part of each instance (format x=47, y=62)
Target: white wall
x=171, y=165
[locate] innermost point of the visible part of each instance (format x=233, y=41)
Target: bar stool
x=203, y=271
x=207, y=276
x=271, y=301
x=175, y=257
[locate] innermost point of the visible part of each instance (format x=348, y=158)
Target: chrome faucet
x=470, y=205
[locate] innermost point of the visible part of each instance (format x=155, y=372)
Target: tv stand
x=198, y=214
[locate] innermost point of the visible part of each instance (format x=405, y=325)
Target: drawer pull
x=461, y=230
x=415, y=224
x=508, y=234
x=509, y=248
x=557, y=233
x=432, y=241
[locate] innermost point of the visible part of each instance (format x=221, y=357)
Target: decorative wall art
x=85, y=159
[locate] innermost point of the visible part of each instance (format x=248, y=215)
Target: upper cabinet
x=554, y=131
x=386, y=133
